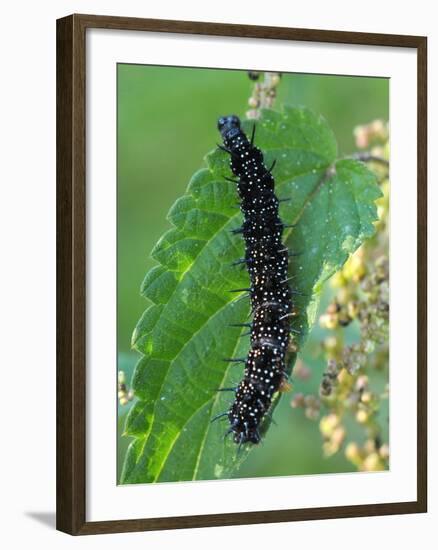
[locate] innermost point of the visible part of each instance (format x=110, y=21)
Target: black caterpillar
x=267, y=262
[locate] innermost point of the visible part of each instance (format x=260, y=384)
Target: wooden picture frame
x=71, y=273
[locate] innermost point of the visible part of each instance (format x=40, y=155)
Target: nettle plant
x=185, y=334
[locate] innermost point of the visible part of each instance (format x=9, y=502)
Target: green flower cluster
x=361, y=295
x=263, y=94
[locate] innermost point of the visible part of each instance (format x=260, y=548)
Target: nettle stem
x=366, y=156
x=263, y=94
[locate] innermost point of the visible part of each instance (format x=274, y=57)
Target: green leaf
x=184, y=335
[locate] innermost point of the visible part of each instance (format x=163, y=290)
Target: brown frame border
x=71, y=265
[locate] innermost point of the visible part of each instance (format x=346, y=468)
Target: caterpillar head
x=228, y=122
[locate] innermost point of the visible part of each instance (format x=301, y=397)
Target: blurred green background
x=166, y=124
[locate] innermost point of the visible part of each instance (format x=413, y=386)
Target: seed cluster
x=267, y=262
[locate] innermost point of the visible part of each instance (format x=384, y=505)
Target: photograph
x=253, y=278
x=222, y=210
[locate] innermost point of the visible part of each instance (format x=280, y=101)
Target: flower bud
x=362, y=416
x=297, y=401
x=372, y=463
x=352, y=453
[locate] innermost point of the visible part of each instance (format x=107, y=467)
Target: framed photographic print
x=241, y=218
